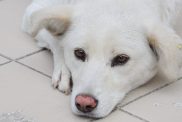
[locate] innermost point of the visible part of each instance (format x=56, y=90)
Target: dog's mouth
x=71, y=84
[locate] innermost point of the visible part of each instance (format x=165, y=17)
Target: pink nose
x=85, y=103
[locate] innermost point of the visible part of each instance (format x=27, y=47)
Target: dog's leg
x=61, y=75
x=35, y=20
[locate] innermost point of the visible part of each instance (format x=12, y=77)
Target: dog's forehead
x=108, y=32
x=107, y=39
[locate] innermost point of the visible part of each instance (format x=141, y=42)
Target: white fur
x=104, y=29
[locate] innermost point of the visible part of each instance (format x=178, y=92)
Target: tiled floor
x=25, y=74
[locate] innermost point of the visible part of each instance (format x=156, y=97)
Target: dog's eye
x=80, y=54
x=120, y=60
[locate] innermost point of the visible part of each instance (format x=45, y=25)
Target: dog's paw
x=64, y=85
x=55, y=83
x=61, y=80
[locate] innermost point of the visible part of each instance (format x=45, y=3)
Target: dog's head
x=109, y=55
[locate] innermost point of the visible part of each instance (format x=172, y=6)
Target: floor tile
x=152, y=85
x=3, y=60
x=13, y=42
x=28, y=91
x=41, y=61
x=164, y=105
x=119, y=116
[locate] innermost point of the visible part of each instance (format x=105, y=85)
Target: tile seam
x=126, y=112
x=30, y=54
x=157, y=89
x=133, y=115
x=25, y=56
x=22, y=57
x=7, y=62
x=29, y=67
x=6, y=57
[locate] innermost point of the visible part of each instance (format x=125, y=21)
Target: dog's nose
x=85, y=103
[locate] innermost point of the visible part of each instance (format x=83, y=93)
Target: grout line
x=135, y=116
x=33, y=69
x=17, y=61
x=5, y=63
x=157, y=89
x=30, y=54
x=6, y=57
x=119, y=109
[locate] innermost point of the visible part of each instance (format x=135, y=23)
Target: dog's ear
x=167, y=46
x=55, y=19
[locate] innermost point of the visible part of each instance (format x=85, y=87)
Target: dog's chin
x=96, y=114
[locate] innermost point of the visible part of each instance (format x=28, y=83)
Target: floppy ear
x=168, y=46
x=55, y=19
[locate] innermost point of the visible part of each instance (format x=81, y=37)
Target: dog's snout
x=85, y=103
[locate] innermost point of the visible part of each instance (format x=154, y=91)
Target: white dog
x=108, y=47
